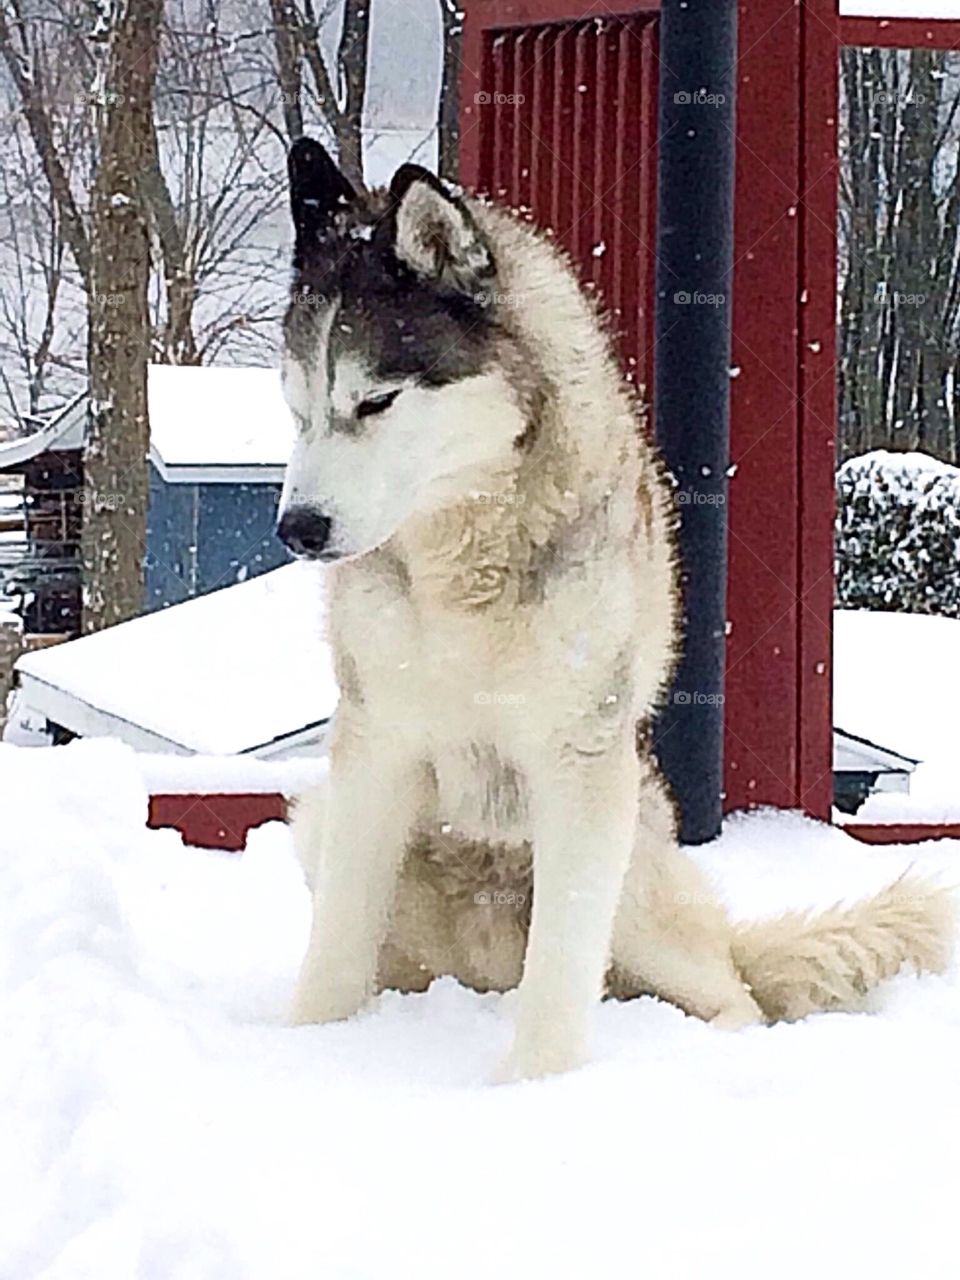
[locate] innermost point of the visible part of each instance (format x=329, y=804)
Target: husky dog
x=504, y=615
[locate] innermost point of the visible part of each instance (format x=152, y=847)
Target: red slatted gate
x=559, y=116
x=567, y=134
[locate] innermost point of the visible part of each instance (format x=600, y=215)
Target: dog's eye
x=376, y=404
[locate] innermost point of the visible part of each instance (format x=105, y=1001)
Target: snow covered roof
x=63, y=431
x=218, y=424
x=854, y=754
x=241, y=670
x=207, y=424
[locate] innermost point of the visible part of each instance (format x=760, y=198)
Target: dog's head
x=390, y=365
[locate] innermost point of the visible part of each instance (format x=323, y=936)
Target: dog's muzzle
x=307, y=533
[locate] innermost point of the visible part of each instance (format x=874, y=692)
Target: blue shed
x=219, y=441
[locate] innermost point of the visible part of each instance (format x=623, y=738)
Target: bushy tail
x=804, y=962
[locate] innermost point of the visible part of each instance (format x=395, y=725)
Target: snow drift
x=161, y=1122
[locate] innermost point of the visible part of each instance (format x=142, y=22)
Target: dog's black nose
x=305, y=531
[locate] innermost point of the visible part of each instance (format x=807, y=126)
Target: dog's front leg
x=374, y=795
x=583, y=811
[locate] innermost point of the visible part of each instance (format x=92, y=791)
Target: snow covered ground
x=160, y=1122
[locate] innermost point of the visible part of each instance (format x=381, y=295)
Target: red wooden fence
x=559, y=116
x=564, y=148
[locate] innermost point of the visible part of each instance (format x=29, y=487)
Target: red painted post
x=818, y=402
x=762, y=707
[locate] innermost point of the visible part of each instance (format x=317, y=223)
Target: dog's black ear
x=317, y=191
x=435, y=235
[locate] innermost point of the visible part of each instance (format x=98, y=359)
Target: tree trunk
x=286, y=26
x=448, y=116
x=352, y=76
x=177, y=342
x=115, y=462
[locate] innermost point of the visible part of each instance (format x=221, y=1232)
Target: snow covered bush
x=898, y=534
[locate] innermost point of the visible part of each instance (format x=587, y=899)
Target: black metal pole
x=698, y=55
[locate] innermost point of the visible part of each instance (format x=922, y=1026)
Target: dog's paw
x=738, y=1014
x=312, y=1006
x=533, y=1060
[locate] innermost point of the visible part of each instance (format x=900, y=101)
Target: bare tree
x=174, y=340
x=297, y=25
x=115, y=464
x=211, y=179
x=899, y=342
x=45, y=144
x=27, y=74
x=30, y=288
x=216, y=193
x=211, y=182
